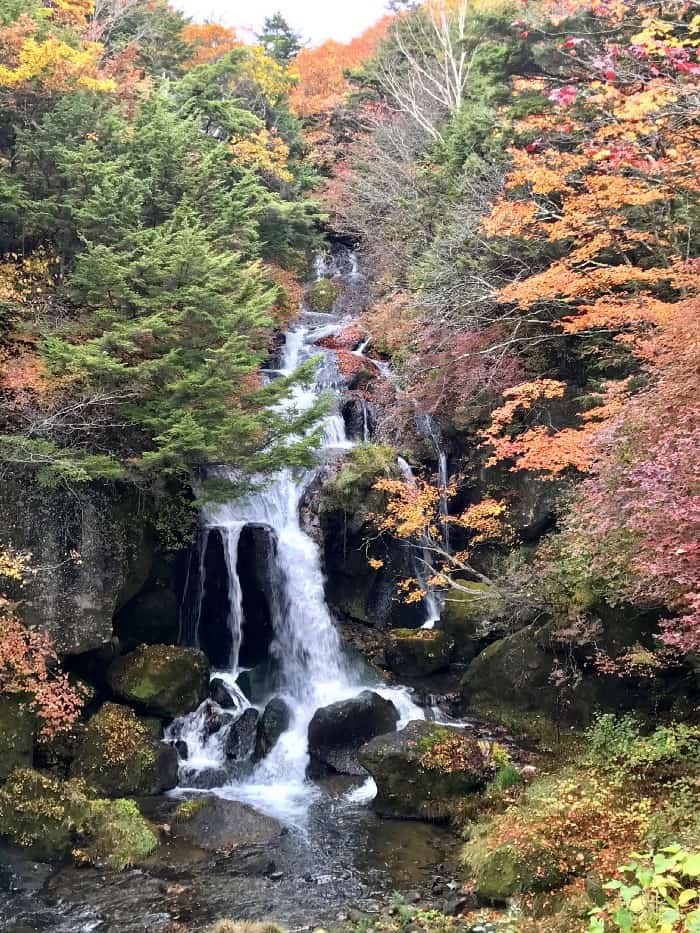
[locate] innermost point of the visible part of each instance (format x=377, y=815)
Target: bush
x=618, y=746
x=351, y=489
x=658, y=894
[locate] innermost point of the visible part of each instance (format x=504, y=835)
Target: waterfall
x=311, y=667
x=429, y=429
x=422, y=564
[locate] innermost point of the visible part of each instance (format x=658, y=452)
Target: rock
x=418, y=652
x=95, y=550
x=182, y=750
x=162, y=679
x=120, y=758
x=336, y=732
x=505, y=871
x=217, y=825
x=409, y=784
x=321, y=296
x=56, y=817
x=274, y=721
x=240, y=741
x=221, y=694
x=17, y=732
x=258, y=683
x=213, y=718
x=466, y=616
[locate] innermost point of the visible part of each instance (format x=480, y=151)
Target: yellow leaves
x=55, y=65
x=13, y=564
x=375, y=563
x=73, y=12
x=486, y=521
x=265, y=152
x=272, y=79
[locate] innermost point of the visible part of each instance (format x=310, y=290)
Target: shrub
x=657, y=894
x=618, y=746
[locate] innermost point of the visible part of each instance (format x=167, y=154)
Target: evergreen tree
x=279, y=40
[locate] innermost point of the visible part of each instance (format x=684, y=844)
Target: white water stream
x=313, y=669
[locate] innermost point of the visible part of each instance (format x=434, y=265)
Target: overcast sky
x=315, y=19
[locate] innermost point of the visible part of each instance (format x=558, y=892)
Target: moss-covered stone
x=43, y=813
x=418, y=652
x=161, y=679
x=321, y=296
x=118, y=836
x=17, y=732
x=119, y=756
x=422, y=770
x=56, y=818
x=466, y=614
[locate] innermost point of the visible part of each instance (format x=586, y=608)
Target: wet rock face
x=17, y=731
x=221, y=825
x=161, y=679
x=336, y=732
x=119, y=756
x=421, y=769
x=274, y=721
x=419, y=652
x=240, y=741
x=95, y=551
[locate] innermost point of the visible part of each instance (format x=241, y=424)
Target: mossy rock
x=17, y=733
x=500, y=873
x=161, y=679
x=56, y=818
x=465, y=615
x=418, y=652
x=118, y=835
x=321, y=296
x=119, y=756
x=417, y=774
x=43, y=813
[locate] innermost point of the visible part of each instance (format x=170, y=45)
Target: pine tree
x=279, y=40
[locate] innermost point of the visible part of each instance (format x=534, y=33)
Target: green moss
x=351, y=489
x=43, y=813
x=117, y=754
x=189, y=808
x=56, y=818
x=321, y=295
x=163, y=679
x=118, y=833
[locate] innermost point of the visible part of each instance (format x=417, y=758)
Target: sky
x=317, y=20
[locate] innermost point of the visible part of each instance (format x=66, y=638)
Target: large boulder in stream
x=120, y=757
x=223, y=825
x=336, y=732
x=418, y=652
x=240, y=741
x=423, y=769
x=161, y=679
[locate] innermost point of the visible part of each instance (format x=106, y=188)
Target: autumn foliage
x=28, y=662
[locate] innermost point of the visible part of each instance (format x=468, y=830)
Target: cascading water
x=311, y=668
x=427, y=426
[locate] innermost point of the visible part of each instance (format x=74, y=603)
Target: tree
x=29, y=668
x=279, y=40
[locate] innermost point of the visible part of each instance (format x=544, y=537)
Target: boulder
x=504, y=871
x=161, y=679
x=336, y=732
x=274, y=721
x=119, y=756
x=421, y=770
x=240, y=741
x=321, y=295
x=418, y=652
x=221, y=694
x=55, y=818
x=17, y=731
x=259, y=682
x=222, y=825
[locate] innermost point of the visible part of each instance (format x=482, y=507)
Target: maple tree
x=28, y=661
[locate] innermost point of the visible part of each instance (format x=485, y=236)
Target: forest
x=349, y=432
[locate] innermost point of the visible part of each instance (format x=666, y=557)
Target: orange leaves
x=28, y=661
x=322, y=85
x=410, y=508
x=209, y=41
x=486, y=522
